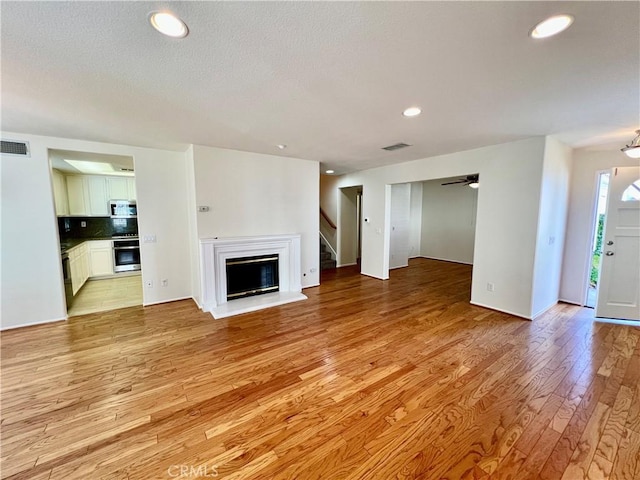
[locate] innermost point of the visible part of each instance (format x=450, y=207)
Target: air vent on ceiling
x=397, y=146
x=11, y=147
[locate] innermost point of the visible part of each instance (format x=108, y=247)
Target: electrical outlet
x=149, y=239
x=313, y=270
x=165, y=282
x=83, y=224
x=489, y=287
x=149, y=283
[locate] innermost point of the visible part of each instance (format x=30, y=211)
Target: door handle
x=609, y=253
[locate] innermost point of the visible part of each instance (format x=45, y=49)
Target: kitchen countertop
x=71, y=243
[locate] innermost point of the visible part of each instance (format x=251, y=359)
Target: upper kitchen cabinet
x=131, y=188
x=98, y=197
x=60, y=193
x=118, y=188
x=89, y=195
x=76, y=195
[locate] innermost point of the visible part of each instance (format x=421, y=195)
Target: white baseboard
x=33, y=324
x=374, y=276
x=478, y=304
x=399, y=266
x=188, y=297
x=346, y=265
x=445, y=260
x=571, y=302
x=311, y=286
x=543, y=310
x=196, y=302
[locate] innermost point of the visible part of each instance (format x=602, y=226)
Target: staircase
x=326, y=261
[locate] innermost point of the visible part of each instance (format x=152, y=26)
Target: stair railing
x=326, y=217
x=326, y=242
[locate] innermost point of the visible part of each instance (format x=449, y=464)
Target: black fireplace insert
x=248, y=276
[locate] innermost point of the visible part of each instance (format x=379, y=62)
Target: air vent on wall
x=10, y=147
x=397, y=146
x=126, y=169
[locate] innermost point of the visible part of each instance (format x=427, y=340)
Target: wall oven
x=126, y=254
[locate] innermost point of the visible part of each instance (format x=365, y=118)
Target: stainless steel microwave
x=123, y=209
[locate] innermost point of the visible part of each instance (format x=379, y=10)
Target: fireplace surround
x=216, y=252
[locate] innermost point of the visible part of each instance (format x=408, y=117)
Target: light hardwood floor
x=365, y=380
x=107, y=294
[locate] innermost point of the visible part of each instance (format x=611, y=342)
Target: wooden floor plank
x=365, y=379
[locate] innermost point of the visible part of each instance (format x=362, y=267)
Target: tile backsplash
x=95, y=227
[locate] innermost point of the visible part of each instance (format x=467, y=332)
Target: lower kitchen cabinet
x=100, y=257
x=79, y=265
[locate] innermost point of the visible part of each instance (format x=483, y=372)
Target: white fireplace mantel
x=214, y=253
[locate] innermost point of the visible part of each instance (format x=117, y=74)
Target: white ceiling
x=329, y=79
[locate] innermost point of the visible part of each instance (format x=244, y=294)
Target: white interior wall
x=448, y=221
x=252, y=194
x=507, y=216
x=580, y=219
x=194, y=245
x=415, y=220
x=347, y=226
x=32, y=285
x=400, y=225
x=552, y=220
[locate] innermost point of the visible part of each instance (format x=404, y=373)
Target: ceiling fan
x=470, y=180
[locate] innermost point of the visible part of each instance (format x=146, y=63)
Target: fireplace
x=265, y=272
x=248, y=276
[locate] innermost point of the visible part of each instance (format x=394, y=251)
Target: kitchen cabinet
x=76, y=195
x=118, y=188
x=60, y=193
x=100, y=257
x=96, y=192
x=131, y=187
x=89, y=195
x=79, y=266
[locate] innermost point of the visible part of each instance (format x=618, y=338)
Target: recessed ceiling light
x=168, y=24
x=330, y=172
x=412, y=112
x=552, y=26
x=281, y=146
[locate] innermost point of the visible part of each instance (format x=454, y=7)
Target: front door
x=619, y=288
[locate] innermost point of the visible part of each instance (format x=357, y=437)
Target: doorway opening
x=96, y=214
x=349, y=226
x=595, y=257
x=434, y=219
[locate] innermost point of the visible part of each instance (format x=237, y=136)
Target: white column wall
x=552, y=220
